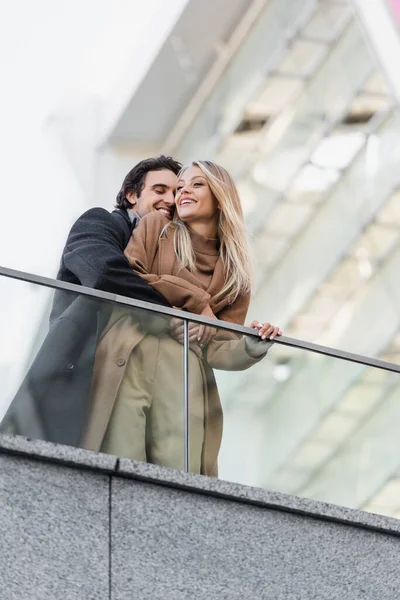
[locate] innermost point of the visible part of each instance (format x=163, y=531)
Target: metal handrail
x=185, y=316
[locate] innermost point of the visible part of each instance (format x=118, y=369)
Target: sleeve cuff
x=256, y=348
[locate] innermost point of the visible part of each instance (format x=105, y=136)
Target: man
x=52, y=402
x=94, y=252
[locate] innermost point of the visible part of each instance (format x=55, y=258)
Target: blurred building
x=299, y=101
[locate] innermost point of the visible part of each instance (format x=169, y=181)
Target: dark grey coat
x=52, y=401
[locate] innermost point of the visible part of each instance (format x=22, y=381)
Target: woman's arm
x=141, y=253
x=229, y=351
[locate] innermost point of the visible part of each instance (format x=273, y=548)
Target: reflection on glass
x=111, y=378
x=323, y=101
x=102, y=377
x=302, y=58
x=242, y=78
x=314, y=426
x=226, y=352
x=327, y=21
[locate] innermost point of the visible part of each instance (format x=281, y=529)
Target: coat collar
x=123, y=217
x=168, y=264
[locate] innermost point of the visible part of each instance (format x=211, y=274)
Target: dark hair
x=134, y=181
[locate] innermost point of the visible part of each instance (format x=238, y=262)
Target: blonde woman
x=199, y=262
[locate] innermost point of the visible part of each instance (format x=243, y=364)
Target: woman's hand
x=205, y=333
x=257, y=348
x=176, y=330
x=198, y=334
x=266, y=330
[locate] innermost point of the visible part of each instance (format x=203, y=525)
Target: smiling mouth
x=186, y=202
x=165, y=211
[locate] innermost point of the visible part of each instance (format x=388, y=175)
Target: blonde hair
x=232, y=235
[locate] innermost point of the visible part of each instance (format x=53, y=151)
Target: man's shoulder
x=96, y=213
x=100, y=216
x=98, y=225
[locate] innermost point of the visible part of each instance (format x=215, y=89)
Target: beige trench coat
x=123, y=334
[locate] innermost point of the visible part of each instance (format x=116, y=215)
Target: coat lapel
x=123, y=219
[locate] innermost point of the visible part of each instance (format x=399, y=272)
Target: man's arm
x=94, y=254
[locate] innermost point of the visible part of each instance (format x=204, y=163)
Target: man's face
x=158, y=194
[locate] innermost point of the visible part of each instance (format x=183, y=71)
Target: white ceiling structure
x=291, y=98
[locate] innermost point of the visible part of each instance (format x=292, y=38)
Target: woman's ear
x=131, y=197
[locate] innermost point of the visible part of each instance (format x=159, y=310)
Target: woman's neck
x=205, y=229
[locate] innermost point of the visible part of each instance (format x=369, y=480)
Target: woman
x=199, y=262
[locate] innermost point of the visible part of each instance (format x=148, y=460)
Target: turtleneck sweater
x=206, y=251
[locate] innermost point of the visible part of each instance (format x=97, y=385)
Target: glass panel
x=277, y=91
x=286, y=219
x=303, y=57
x=375, y=242
x=327, y=21
x=271, y=248
x=337, y=150
x=305, y=424
x=102, y=376
x=376, y=84
x=244, y=77
x=390, y=213
x=311, y=183
x=335, y=230
x=324, y=100
x=364, y=107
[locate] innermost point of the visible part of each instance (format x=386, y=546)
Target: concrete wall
x=79, y=525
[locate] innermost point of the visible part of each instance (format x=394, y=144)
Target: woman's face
x=194, y=199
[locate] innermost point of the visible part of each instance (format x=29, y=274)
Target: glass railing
x=94, y=374
x=128, y=378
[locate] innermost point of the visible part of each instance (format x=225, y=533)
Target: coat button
x=70, y=366
x=121, y=362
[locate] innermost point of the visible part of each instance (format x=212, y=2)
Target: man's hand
x=176, y=330
x=198, y=334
